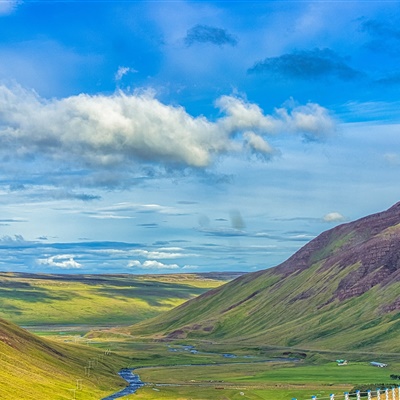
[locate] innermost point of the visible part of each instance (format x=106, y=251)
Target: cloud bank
x=63, y=261
x=120, y=131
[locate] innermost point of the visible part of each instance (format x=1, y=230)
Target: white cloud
x=127, y=207
x=121, y=129
x=8, y=6
x=151, y=264
x=106, y=215
x=243, y=116
x=190, y=267
x=158, y=254
x=311, y=120
x=63, y=261
x=122, y=71
x=258, y=145
x=334, y=217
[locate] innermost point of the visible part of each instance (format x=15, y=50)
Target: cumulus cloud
x=258, y=145
x=119, y=131
x=307, y=64
x=63, y=261
x=151, y=264
x=241, y=115
x=334, y=217
x=312, y=120
x=209, y=34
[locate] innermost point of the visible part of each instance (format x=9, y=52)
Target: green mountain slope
x=34, y=368
x=341, y=291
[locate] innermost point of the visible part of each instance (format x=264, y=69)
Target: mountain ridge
x=343, y=283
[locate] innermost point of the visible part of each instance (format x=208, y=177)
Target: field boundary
x=392, y=393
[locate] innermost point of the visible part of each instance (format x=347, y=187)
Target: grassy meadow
x=257, y=373
x=81, y=302
x=265, y=381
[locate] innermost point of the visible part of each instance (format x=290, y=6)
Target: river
x=134, y=383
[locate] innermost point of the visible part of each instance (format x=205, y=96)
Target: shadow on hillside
x=28, y=294
x=153, y=294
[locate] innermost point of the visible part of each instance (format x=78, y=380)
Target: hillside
x=34, y=368
x=46, y=301
x=340, y=291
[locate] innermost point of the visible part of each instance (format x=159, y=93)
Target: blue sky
x=187, y=136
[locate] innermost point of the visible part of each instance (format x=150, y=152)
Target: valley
x=272, y=334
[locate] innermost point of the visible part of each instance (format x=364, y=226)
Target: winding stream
x=134, y=384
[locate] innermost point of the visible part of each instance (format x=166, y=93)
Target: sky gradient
x=187, y=136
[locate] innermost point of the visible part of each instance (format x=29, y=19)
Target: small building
x=378, y=364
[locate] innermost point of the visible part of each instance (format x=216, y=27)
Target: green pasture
x=226, y=393
x=174, y=375
x=272, y=373
x=94, y=300
x=267, y=381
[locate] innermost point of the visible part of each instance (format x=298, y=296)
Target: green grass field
x=88, y=301
x=260, y=381
x=170, y=375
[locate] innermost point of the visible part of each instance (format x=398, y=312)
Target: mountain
x=34, y=368
x=340, y=291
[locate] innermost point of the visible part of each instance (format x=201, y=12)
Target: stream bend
x=134, y=383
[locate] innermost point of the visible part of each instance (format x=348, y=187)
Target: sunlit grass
x=94, y=300
x=32, y=368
